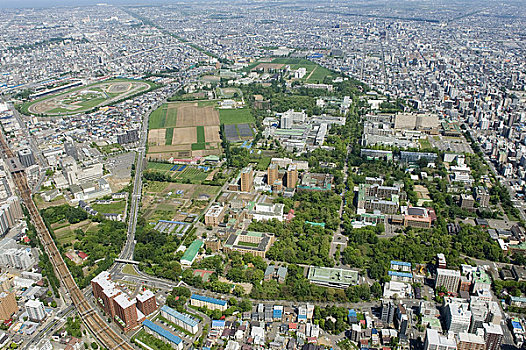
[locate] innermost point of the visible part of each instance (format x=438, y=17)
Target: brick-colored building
x=8, y=305
x=146, y=302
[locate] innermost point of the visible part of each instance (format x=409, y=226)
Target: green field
x=161, y=167
x=198, y=146
x=192, y=173
x=319, y=75
x=158, y=118
x=169, y=136
x=236, y=116
x=200, y=134
x=318, y=72
x=117, y=207
x=171, y=117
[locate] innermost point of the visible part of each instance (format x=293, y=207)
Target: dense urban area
x=263, y=175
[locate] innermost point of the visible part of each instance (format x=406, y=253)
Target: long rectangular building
x=208, y=302
x=161, y=333
x=184, y=321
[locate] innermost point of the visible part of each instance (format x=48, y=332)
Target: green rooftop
x=191, y=252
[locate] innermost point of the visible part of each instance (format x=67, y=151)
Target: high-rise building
x=70, y=149
x=146, y=302
x=470, y=341
x=493, y=335
x=458, y=317
x=8, y=305
x=286, y=121
x=26, y=157
x=272, y=174
x=449, y=279
x=247, y=179
x=35, y=310
x=388, y=312
x=126, y=313
x=292, y=176
x=129, y=136
x=436, y=341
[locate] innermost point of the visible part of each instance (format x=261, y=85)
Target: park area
x=314, y=72
x=86, y=98
x=184, y=130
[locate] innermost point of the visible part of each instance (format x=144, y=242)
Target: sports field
x=85, y=98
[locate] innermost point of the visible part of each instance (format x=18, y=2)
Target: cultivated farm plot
x=85, y=98
x=190, y=114
x=189, y=129
x=184, y=136
x=157, y=137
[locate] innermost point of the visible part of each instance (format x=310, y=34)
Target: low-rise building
x=210, y=303
x=256, y=243
x=163, y=334
x=332, y=277
x=182, y=320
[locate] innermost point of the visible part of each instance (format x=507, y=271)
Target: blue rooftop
x=208, y=299
x=180, y=316
x=162, y=332
x=400, y=274
x=352, y=312
x=516, y=325
x=218, y=324
x=400, y=263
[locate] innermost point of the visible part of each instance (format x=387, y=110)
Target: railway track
x=93, y=321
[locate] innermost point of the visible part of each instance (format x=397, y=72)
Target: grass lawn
x=425, y=144
x=114, y=147
x=319, y=75
x=65, y=235
x=129, y=270
x=206, y=103
x=158, y=118
x=236, y=116
x=161, y=167
x=113, y=208
x=200, y=134
x=169, y=136
x=195, y=175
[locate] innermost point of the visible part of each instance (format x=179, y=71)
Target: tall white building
x=19, y=258
x=35, y=310
x=436, y=341
x=458, y=317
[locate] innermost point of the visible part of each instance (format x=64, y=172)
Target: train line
x=93, y=321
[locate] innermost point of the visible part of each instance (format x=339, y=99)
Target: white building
x=35, y=310
x=19, y=258
x=264, y=212
x=458, y=317
x=436, y=341
x=300, y=73
x=400, y=289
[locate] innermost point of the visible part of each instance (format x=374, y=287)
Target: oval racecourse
x=86, y=98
